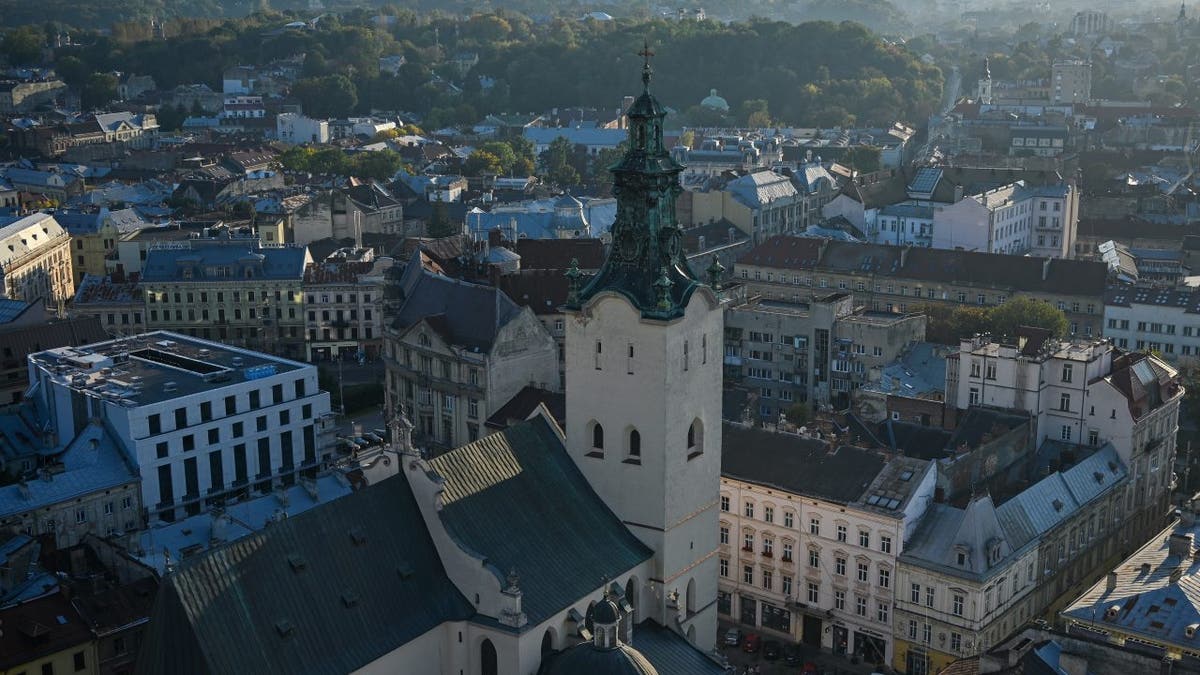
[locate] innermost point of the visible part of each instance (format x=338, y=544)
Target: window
x=839, y=566
x=814, y=558
x=748, y=510
x=1066, y=372
x=787, y=519
x=787, y=551
x=81, y=515
x=839, y=600
x=885, y=578
x=881, y=612
x=1064, y=402
x=973, y=396
x=990, y=371
x=957, y=607
x=864, y=571
x=860, y=605
x=724, y=567
x=80, y=661
x=155, y=422
x=725, y=503
x=1066, y=432
x=597, y=437
x=748, y=541
x=885, y=543
x=841, y=533
x=912, y=629
x=814, y=593
x=768, y=548
x=769, y=514
x=768, y=578
x=748, y=574
x=724, y=534
x=916, y=593
x=814, y=526
x=599, y=352
x=955, y=642
x=929, y=596
x=927, y=633
x=864, y=538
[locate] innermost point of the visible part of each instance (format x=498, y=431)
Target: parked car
x=361, y=442
x=751, y=644
x=771, y=650
x=733, y=637
x=793, y=655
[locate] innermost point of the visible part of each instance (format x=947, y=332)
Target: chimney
x=1176, y=575
x=732, y=236
x=958, y=193
x=700, y=243
x=1179, y=545
x=1046, y=268
x=1111, y=585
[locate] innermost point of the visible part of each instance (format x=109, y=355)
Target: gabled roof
x=327, y=591
x=517, y=498
x=525, y=402
x=464, y=314
x=167, y=264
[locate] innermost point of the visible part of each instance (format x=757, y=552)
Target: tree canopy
x=948, y=324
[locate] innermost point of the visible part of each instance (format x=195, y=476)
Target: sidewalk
x=827, y=663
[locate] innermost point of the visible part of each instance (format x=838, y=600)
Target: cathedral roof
x=517, y=498
x=587, y=659
x=315, y=593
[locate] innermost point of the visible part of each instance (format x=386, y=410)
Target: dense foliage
x=770, y=72
x=948, y=324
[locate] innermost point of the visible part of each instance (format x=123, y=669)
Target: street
x=826, y=662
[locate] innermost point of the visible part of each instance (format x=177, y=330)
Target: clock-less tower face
x=643, y=387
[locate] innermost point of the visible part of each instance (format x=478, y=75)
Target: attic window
x=297, y=562
x=349, y=598
x=907, y=475
x=284, y=628
x=405, y=570
x=357, y=536
x=1057, y=504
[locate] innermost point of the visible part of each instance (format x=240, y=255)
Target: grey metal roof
x=327, y=591
x=167, y=264
x=518, y=499
x=797, y=464
x=464, y=314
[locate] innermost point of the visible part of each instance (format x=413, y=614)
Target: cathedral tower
x=643, y=371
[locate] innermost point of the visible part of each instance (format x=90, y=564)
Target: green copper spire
x=646, y=239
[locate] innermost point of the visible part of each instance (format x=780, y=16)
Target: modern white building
x=810, y=535
x=297, y=129
x=202, y=421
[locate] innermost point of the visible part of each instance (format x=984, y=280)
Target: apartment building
x=456, y=352
x=1085, y=393
x=202, y=421
x=35, y=259
x=902, y=279
x=813, y=351
x=229, y=288
x=1163, y=320
x=344, y=305
x=1071, y=81
x=810, y=535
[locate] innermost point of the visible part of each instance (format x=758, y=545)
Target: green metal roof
x=518, y=499
x=328, y=591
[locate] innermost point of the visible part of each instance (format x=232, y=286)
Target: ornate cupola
x=646, y=264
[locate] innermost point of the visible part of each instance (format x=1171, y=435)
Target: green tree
x=98, y=91
x=1025, y=311
x=326, y=96
x=864, y=158
x=503, y=152
x=557, y=165
x=798, y=414
x=439, y=221
x=72, y=70
x=23, y=46
x=754, y=113
x=481, y=162
x=380, y=165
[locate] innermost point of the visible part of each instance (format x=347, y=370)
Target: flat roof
x=158, y=366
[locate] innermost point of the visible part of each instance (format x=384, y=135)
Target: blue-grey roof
x=669, y=653
x=463, y=314
x=920, y=371
x=80, y=223
x=516, y=498
x=86, y=470
x=11, y=309
x=535, y=219
x=592, y=137
x=327, y=591
x=167, y=264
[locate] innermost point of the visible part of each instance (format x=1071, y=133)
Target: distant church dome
x=605, y=654
x=715, y=102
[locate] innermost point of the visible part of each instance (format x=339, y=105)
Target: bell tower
x=643, y=371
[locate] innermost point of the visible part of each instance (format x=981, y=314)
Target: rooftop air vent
x=170, y=387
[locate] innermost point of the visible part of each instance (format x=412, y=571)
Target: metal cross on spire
x=646, y=53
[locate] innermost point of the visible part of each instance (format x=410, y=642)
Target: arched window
x=691, y=597
x=547, y=641
x=695, y=439
x=597, y=436
x=487, y=658
x=635, y=443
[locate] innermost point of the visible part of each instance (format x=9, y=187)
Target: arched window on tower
x=597, y=440
x=635, y=445
x=487, y=658
x=599, y=351
x=695, y=439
